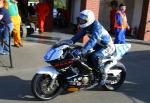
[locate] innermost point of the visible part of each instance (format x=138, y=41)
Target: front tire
x=42, y=89
x=115, y=84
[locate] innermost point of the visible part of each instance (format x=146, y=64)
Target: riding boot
x=104, y=75
x=104, y=78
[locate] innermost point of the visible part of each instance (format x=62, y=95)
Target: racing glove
x=76, y=52
x=68, y=42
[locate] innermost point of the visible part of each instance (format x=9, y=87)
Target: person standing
x=6, y=27
x=121, y=25
x=42, y=10
x=114, y=6
x=15, y=18
x=23, y=10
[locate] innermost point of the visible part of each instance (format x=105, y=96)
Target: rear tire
x=41, y=89
x=31, y=29
x=121, y=77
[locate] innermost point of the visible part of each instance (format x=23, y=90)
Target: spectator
x=120, y=25
x=62, y=17
x=23, y=8
x=14, y=15
x=42, y=10
x=114, y=5
x=6, y=27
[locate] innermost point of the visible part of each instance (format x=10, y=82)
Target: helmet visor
x=81, y=21
x=84, y=17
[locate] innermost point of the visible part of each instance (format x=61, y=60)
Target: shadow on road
x=137, y=86
x=43, y=39
x=14, y=88
x=138, y=42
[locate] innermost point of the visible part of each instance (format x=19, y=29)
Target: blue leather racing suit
x=98, y=35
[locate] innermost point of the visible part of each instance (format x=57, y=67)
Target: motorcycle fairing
x=121, y=49
x=54, y=53
x=48, y=70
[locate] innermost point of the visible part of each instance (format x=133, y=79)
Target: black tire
x=31, y=28
x=122, y=76
x=23, y=30
x=39, y=90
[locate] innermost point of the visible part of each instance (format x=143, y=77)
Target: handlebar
x=68, y=49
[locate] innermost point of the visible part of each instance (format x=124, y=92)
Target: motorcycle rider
x=99, y=40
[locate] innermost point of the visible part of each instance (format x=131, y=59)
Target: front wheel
x=114, y=82
x=44, y=87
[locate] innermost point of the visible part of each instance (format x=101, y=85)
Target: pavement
x=15, y=82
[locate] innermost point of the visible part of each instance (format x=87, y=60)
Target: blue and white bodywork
x=50, y=55
x=54, y=53
x=120, y=51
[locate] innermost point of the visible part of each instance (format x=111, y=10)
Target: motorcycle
x=68, y=72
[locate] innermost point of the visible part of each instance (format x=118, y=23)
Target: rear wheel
x=31, y=28
x=44, y=88
x=114, y=82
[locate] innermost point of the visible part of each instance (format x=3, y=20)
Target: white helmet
x=88, y=16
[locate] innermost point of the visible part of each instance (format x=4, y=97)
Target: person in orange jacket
x=114, y=5
x=42, y=10
x=120, y=25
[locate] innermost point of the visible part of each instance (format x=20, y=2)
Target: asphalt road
x=15, y=83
